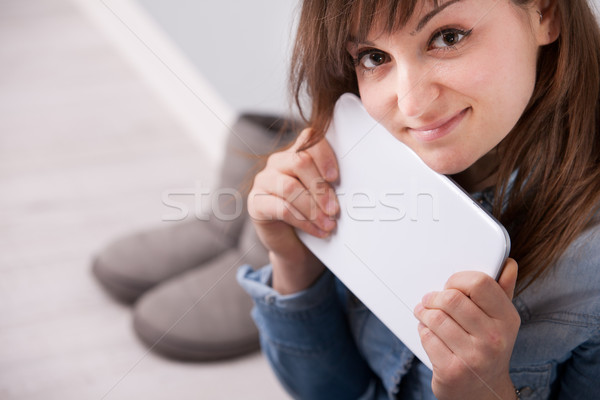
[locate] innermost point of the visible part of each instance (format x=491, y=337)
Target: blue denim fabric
x=323, y=343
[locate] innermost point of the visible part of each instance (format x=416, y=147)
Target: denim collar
x=485, y=197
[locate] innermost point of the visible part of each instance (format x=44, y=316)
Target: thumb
x=508, y=278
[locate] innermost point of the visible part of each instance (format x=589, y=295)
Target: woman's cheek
x=377, y=98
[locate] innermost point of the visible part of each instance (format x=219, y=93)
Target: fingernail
x=418, y=309
x=328, y=224
x=331, y=174
x=322, y=233
x=331, y=207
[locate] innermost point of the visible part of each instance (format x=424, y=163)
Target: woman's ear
x=548, y=15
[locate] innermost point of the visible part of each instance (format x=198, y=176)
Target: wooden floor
x=86, y=151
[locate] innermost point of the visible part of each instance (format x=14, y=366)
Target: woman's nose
x=416, y=90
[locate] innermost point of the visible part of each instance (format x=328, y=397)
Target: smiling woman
x=452, y=88
x=504, y=96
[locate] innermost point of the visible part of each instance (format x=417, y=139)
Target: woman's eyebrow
x=432, y=14
x=428, y=17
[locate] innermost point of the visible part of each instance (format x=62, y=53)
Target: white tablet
x=403, y=228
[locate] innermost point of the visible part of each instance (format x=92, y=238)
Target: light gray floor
x=86, y=151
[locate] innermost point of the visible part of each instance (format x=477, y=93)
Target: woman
x=504, y=97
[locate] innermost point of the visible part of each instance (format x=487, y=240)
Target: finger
x=307, y=171
x=301, y=166
x=439, y=354
x=484, y=291
x=293, y=192
x=295, y=197
x=508, y=279
x=444, y=327
x=325, y=160
x=324, y=156
x=459, y=307
x=266, y=208
x=302, y=139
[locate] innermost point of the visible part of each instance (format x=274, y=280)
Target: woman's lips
x=439, y=128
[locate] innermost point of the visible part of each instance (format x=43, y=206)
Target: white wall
x=596, y=4
x=239, y=46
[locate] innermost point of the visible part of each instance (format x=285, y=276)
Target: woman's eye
x=447, y=38
x=371, y=59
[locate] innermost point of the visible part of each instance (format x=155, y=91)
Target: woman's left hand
x=468, y=331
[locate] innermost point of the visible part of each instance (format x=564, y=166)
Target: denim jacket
x=323, y=343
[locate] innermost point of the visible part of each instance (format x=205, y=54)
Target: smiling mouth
x=439, y=128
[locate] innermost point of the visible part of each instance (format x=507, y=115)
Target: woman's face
x=453, y=82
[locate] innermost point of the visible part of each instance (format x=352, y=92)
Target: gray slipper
x=135, y=263
x=203, y=314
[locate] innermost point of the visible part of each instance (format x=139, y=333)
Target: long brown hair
x=554, y=148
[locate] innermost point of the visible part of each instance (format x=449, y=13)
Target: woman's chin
x=446, y=165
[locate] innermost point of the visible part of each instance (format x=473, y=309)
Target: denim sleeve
x=580, y=377
x=306, y=338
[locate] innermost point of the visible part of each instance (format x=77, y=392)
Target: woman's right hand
x=294, y=191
